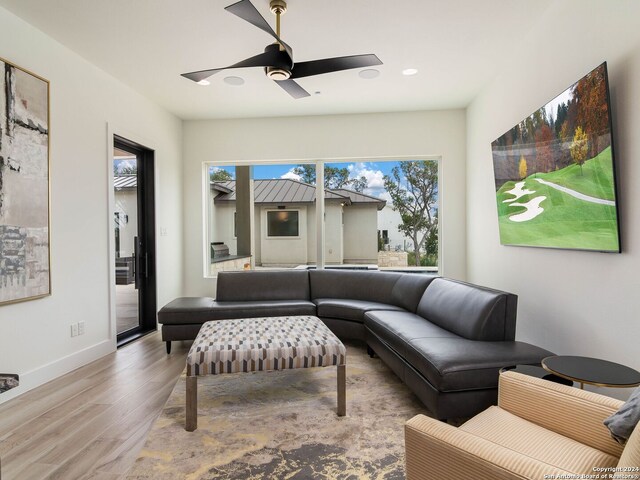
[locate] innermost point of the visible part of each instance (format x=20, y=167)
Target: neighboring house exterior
x=126, y=213
x=285, y=223
x=388, y=221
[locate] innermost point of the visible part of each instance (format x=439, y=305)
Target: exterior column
x=245, y=212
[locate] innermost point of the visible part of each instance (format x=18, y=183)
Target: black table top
x=538, y=372
x=593, y=371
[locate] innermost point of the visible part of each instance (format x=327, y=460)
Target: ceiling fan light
x=204, y=82
x=278, y=74
x=407, y=72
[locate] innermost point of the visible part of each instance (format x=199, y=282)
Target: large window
x=390, y=214
x=282, y=223
x=375, y=215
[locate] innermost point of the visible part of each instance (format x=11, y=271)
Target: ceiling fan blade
x=328, y=65
x=293, y=89
x=266, y=59
x=246, y=11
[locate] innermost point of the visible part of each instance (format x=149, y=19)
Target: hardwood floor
x=92, y=422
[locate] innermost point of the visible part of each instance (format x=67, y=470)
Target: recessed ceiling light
x=204, y=82
x=409, y=71
x=369, y=73
x=317, y=92
x=234, y=81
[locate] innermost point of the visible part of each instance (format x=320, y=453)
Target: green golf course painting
x=554, y=173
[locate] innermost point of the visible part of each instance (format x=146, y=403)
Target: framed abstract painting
x=24, y=185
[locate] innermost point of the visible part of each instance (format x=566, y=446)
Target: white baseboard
x=50, y=371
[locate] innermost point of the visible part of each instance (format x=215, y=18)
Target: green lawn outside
x=566, y=222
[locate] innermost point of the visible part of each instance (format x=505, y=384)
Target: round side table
x=535, y=371
x=592, y=371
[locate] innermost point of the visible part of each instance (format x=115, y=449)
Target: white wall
x=389, y=219
x=333, y=234
x=436, y=133
x=283, y=251
x=222, y=223
x=569, y=302
x=35, y=336
x=361, y=234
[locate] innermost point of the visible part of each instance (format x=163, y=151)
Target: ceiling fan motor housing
x=281, y=69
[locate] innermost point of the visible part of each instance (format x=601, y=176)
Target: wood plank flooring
x=92, y=422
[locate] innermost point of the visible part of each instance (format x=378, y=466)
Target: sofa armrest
x=569, y=411
x=438, y=451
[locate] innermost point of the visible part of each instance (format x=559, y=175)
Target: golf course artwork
x=554, y=173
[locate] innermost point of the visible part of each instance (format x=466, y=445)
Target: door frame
x=146, y=218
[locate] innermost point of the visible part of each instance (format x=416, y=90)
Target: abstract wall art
x=24, y=185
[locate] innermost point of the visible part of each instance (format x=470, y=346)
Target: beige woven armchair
x=539, y=430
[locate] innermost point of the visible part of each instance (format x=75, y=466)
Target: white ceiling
x=457, y=46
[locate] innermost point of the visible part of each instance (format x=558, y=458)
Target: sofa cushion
x=349, y=309
x=453, y=364
x=262, y=285
x=397, y=328
x=517, y=434
x=185, y=310
x=264, y=308
x=372, y=286
x=473, y=312
x=408, y=290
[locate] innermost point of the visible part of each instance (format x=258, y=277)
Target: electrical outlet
x=74, y=329
x=80, y=328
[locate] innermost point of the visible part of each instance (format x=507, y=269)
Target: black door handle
x=136, y=263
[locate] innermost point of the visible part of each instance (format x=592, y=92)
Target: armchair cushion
x=569, y=411
x=438, y=451
x=503, y=428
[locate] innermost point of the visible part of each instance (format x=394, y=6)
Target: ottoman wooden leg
x=192, y=404
x=342, y=390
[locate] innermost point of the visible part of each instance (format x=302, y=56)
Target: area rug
x=283, y=425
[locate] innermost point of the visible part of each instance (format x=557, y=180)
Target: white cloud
x=374, y=178
x=291, y=175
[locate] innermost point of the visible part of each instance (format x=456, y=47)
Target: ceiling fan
x=277, y=58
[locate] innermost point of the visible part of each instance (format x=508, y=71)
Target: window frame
x=319, y=163
x=283, y=237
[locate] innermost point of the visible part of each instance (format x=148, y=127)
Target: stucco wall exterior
x=127, y=204
x=301, y=250
x=360, y=234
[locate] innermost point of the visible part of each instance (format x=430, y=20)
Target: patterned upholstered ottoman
x=262, y=344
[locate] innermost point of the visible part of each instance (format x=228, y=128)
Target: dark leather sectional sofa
x=446, y=339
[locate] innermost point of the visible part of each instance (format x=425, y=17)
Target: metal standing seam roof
x=357, y=197
x=125, y=181
x=281, y=190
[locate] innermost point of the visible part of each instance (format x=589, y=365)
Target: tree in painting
x=522, y=168
x=579, y=147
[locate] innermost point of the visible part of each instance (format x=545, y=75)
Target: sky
x=374, y=172
x=552, y=107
